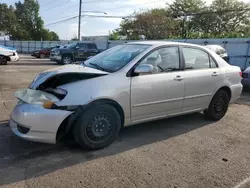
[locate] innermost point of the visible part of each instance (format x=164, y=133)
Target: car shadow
x=34, y=159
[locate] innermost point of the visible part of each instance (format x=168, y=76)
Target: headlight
x=36, y=97
x=57, y=52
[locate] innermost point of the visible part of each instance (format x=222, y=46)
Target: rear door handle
x=215, y=74
x=178, y=78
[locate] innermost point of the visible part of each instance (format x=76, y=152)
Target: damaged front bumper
x=35, y=123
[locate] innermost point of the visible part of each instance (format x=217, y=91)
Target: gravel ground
x=179, y=152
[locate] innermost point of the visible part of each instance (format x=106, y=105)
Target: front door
x=202, y=78
x=162, y=92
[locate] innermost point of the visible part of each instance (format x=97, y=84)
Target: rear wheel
x=66, y=60
x=218, y=106
x=42, y=56
x=98, y=127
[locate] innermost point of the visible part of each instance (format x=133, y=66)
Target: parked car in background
x=43, y=53
x=220, y=51
x=124, y=85
x=246, y=78
x=7, y=54
x=79, y=51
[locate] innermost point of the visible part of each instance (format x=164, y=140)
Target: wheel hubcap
x=99, y=128
x=219, y=105
x=67, y=60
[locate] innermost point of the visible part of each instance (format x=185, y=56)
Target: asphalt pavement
x=185, y=151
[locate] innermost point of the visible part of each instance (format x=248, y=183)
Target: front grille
x=23, y=130
x=244, y=75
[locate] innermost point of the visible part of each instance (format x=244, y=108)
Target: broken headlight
x=31, y=96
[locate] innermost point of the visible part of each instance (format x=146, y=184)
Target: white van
x=7, y=54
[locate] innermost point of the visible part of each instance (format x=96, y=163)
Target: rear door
x=81, y=52
x=202, y=78
x=92, y=49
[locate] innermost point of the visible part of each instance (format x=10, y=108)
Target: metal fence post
x=247, y=54
x=225, y=44
x=28, y=46
x=21, y=46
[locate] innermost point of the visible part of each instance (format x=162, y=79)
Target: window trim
x=131, y=73
x=197, y=48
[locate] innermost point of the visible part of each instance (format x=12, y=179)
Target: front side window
x=165, y=59
x=195, y=58
x=73, y=45
x=115, y=58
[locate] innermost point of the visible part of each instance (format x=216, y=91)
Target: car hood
x=65, y=74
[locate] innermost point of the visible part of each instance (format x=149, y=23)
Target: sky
x=55, y=10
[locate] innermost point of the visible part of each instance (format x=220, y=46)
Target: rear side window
x=91, y=46
x=197, y=59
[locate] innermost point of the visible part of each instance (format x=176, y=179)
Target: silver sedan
x=125, y=85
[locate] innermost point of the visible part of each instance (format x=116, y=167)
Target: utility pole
x=184, y=32
x=79, y=23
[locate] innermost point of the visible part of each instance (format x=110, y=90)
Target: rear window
x=91, y=46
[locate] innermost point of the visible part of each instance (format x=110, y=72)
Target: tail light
x=240, y=74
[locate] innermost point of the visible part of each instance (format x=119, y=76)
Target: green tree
x=7, y=19
x=27, y=14
x=153, y=24
x=23, y=22
x=182, y=11
x=75, y=38
x=53, y=36
x=114, y=35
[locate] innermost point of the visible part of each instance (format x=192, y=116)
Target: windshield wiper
x=98, y=66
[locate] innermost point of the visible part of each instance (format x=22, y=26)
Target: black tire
x=97, y=127
x=218, y=106
x=42, y=56
x=66, y=60
x=3, y=61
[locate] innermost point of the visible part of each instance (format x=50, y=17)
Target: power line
x=114, y=8
x=86, y=16
x=103, y=1
x=64, y=11
x=48, y=3
x=53, y=7
x=63, y=20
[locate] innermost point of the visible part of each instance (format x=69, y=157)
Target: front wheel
x=218, y=106
x=98, y=127
x=3, y=61
x=66, y=60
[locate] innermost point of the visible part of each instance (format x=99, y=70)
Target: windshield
x=115, y=58
x=72, y=45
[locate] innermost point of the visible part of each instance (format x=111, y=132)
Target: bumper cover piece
x=42, y=123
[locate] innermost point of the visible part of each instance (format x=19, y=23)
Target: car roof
x=88, y=42
x=160, y=43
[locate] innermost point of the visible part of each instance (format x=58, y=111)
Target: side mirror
x=144, y=69
x=77, y=47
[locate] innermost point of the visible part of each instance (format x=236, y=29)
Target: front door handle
x=178, y=78
x=214, y=74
